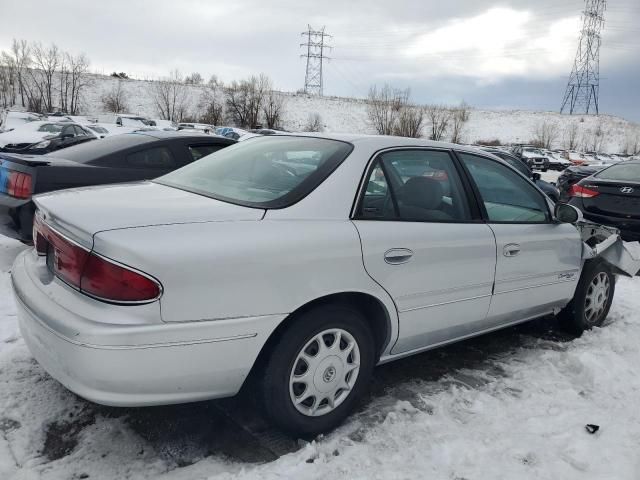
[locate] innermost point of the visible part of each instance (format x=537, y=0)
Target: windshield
x=265, y=172
x=52, y=127
x=98, y=129
x=629, y=172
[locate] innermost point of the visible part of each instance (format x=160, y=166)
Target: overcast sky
x=497, y=54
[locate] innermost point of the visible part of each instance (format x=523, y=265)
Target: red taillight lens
x=582, y=192
x=104, y=279
x=19, y=185
x=90, y=273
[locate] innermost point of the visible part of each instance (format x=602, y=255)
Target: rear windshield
x=86, y=152
x=626, y=172
x=265, y=172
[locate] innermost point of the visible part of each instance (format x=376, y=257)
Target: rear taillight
x=582, y=192
x=91, y=274
x=17, y=184
x=109, y=281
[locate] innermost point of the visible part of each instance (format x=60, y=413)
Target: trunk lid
x=616, y=198
x=82, y=212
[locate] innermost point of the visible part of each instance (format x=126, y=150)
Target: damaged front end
x=605, y=242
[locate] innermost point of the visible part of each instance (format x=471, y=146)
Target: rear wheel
x=318, y=370
x=592, y=299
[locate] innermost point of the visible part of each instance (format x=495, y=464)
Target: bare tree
x=459, y=116
x=194, y=79
x=440, y=117
x=46, y=62
x=571, y=136
x=409, y=122
x=546, y=134
x=273, y=109
x=596, y=138
x=384, y=106
x=632, y=142
x=171, y=96
x=116, y=99
x=314, y=123
x=212, y=103
x=245, y=99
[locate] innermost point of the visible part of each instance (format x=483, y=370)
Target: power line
x=315, y=56
x=583, y=87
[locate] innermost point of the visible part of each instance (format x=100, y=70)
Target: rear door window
x=202, y=150
x=152, y=158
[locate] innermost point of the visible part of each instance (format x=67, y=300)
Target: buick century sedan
x=296, y=263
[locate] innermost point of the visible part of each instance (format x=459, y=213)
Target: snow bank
x=349, y=115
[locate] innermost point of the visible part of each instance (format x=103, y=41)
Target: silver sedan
x=303, y=261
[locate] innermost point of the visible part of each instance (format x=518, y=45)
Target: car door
x=538, y=259
x=424, y=242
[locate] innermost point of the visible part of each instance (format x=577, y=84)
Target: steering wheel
x=290, y=170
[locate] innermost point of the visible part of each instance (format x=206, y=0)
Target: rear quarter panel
x=219, y=270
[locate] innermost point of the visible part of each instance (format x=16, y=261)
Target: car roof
x=164, y=134
x=379, y=142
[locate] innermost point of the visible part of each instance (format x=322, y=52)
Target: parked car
x=611, y=197
x=556, y=160
x=70, y=134
x=238, y=268
x=550, y=190
x=122, y=158
x=10, y=119
x=576, y=158
x=534, y=158
x=162, y=124
x=573, y=175
x=231, y=132
x=203, y=127
x=35, y=132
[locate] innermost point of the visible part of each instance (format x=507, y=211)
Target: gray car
x=300, y=263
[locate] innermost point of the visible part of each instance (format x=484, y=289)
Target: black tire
x=25, y=216
x=275, y=387
x=575, y=316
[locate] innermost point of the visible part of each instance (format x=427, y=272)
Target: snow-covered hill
x=350, y=115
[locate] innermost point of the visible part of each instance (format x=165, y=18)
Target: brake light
x=109, y=281
x=16, y=184
x=582, y=192
x=90, y=273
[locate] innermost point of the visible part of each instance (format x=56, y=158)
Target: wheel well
x=373, y=310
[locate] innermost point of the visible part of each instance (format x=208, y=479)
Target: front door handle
x=511, y=250
x=397, y=256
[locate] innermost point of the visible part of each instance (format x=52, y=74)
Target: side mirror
x=536, y=176
x=565, y=213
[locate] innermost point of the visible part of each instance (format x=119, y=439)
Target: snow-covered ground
x=510, y=405
x=513, y=404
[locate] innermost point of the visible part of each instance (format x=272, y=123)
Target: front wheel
x=592, y=299
x=318, y=370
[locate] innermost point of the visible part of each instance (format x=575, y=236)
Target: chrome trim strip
x=444, y=303
x=447, y=290
x=537, y=286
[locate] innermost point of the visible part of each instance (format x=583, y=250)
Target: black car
x=611, y=197
x=572, y=175
x=121, y=158
x=69, y=135
x=551, y=191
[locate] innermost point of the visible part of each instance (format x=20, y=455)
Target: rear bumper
x=177, y=362
x=12, y=202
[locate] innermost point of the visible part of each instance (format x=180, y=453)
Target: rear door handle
x=511, y=250
x=397, y=256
